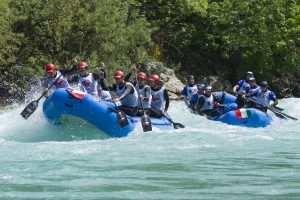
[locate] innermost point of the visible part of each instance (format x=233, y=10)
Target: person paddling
x=87, y=82
x=144, y=94
x=241, y=89
x=160, y=97
x=55, y=77
x=127, y=97
x=189, y=90
x=253, y=88
x=264, y=97
x=195, y=97
x=143, y=89
x=208, y=103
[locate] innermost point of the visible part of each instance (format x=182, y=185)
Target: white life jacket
x=208, y=103
x=62, y=82
x=131, y=99
x=103, y=94
x=141, y=91
x=88, y=84
x=191, y=91
x=158, y=99
x=263, y=97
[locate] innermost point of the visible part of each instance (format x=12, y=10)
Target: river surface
x=205, y=160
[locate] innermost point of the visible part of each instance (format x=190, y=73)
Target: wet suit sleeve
x=71, y=73
x=107, y=87
x=167, y=99
x=127, y=77
x=68, y=71
x=128, y=90
x=97, y=77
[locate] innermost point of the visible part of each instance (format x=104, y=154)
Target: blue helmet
x=264, y=84
x=190, y=77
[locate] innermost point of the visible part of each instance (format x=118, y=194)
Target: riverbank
x=284, y=85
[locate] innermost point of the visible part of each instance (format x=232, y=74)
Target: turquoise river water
x=205, y=160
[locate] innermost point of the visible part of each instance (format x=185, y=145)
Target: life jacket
x=103, y=94
x=208, y=103
x=61, y=82
x=190, y=91
x=244, y=87
x=131, y=99
x=264, y=98
x=141, y=91
x=88, y=84
x=158, y=99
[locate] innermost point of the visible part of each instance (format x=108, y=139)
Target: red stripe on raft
x=77, y=95
x=238, y=114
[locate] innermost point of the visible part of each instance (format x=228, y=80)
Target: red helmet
x=50, y=68
x=83, y=65
x=141, y=75
x=118, y=74
x=154, y=77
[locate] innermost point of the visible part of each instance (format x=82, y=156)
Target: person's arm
x=128, y=90
x=106, y=87
x=275, y=101
x=238, y=86
x=127, y=77
x=69, y=71
x=167, y=99
x=235, y=89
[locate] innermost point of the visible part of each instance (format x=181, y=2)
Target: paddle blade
x=29, y=109
x=279, y=115
x=278, y=108
x=146, y=123
x=122, y=119
x=178, y=125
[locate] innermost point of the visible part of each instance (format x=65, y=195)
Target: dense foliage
x=224, y=37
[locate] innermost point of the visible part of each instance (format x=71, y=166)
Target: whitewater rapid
x=205, y=160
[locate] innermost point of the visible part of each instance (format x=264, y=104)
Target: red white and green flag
x=242, y=113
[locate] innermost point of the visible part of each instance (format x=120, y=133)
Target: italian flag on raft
x=242, y=113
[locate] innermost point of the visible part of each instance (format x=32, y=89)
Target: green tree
x=56, y=31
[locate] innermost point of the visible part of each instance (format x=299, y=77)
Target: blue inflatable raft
x=64, y=102
x=249, y=117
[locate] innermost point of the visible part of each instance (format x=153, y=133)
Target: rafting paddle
x=175, y=125
x=145, y=119
x=278, y=108
x=121, y=117
x=275, y=111
x=32, y=106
